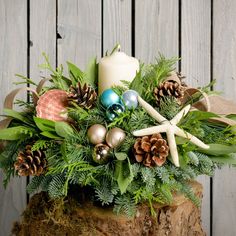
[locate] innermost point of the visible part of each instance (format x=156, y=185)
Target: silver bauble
x=96, y=133
x=130, y=99
x=115, y=137
x=101, y=153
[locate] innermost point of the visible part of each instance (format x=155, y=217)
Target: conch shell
x=52, y=105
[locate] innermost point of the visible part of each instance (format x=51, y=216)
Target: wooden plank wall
x=202, y=32
x=13, y=59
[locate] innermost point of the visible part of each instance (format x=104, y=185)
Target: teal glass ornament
x=130, y=99
x=109, y=97
x=113, y=111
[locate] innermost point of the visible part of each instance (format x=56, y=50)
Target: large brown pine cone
x=169, y=88
x=30, y=162
x=151, y=150
x=85, y=96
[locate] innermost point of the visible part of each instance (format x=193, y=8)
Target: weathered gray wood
x=195, y=64
x=117, y=24
x=156, y=28
x=79, y=26
x=224, y=71
x=13, y=59
x=42, y=36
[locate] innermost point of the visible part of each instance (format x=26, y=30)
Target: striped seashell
x=52, y=105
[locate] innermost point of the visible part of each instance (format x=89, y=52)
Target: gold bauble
x=101, y=153
x=115, y=137
x=96, y=134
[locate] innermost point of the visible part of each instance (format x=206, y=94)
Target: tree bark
x=44, y=217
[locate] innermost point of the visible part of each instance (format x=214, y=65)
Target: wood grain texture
x=156, y=28
x=13, y=59
x=42, y=36
x=79, y=26
x=117, y=24
x=224, y=71
x=196, y=41
x=195, y=64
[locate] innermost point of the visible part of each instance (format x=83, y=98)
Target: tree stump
x=44, y=217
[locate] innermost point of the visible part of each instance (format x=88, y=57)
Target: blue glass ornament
x=109, y=97
x=113, y=111
x=130, y=99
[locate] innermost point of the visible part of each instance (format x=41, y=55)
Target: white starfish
x=170, y=128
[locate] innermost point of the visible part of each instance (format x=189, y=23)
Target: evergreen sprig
x=121, y=182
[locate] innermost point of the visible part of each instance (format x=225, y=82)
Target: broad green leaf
x=229, y=159
x=121, y=156
x=44, y=125
x=63, y=151
x=219, y=149
x=123, y=175
x=92, y=72
x=51, y=135
x=63, y=129
x=16, y=115
x=232, y=116
x=136, y=84
x=14, y=133
x=202, y=115
x=76, y=75
x=183, y=160
x=180, y=140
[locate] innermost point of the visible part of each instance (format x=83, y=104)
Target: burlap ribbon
x=213, y=103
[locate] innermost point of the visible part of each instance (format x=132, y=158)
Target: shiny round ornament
x=101, y=153
x=109, y=97
x=115, y=137
x=130, y=99
x=113, y=111
x=96, y=134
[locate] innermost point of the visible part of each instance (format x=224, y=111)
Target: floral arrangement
x=126, y=135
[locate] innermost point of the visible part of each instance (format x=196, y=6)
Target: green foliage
x=92, y=72
x=103, y=192
x=75, y=73
x=41, y=145
x=169, y=107
x=25, y=80
x=7, y=159
x=123, y=174
x=16, y=133
x=188, y=192
x=35, y=184
x=44, y=125
x=63, y=129
x=59, y=81
x=125, y=204
x=151, y=75
x=53, y=184
x=57, y=187
x=20, y=116
x=121, y=182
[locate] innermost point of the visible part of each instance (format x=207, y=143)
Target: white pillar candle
x=115, y=68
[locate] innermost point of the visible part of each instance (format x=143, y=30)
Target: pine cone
x=30, y=162
x=168, y=88
x=151, y=150
x=85, y=96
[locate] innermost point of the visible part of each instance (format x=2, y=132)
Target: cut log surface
x=44, y=217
